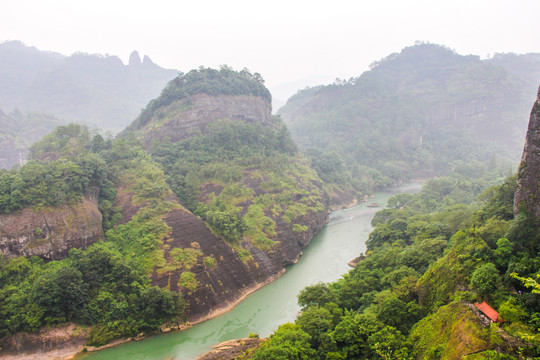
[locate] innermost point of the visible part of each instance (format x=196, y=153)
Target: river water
x=324, y=260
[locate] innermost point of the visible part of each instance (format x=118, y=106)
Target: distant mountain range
x=41, y=90
x=415, y=113
x=96, y=90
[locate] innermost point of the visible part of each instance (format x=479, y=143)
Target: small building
x=490, y=312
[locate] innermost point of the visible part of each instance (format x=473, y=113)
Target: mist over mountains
x=414, y=114
x=100, y=91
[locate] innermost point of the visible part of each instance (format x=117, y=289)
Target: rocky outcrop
x=185, y=117
x=50, y=232
x=217, y=286
x=527, y=196
x=233, y=349
x=48, y=343
x=230, y=279
x=212, y=270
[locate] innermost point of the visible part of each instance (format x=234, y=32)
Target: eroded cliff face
x=185, y=117
x=50, y=232
x=224, y=281
x=270, y=189
x=527, y=196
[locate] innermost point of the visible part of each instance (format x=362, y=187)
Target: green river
x=324, y=260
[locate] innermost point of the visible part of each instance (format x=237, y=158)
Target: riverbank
x=270, y=306
x=67, y=341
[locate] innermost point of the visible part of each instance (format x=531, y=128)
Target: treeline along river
x=324, y=260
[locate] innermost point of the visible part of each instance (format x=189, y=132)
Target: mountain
x=229, y=161
x=416, y=113
x=527, y=198
x=92, y=89
x=449, y=273
x=201, y=200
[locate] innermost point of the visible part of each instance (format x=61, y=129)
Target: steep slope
x=414, y=114
x=527, y=195
x=233, y=164
x=97, y=90
x=48, y=208
x=50, y=232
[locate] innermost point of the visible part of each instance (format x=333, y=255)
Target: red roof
x=489, y=312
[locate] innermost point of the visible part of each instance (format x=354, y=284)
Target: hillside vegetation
x=414, y=114
x=259, y=199
x=244, y=178
x=105, y=285
x=429, y=258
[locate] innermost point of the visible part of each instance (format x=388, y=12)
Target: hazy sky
x=288, y=42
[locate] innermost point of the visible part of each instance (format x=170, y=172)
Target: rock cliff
x=50, y=232
x=230, y=161
x=183, y=118
x=527, y=196
x=221, y=284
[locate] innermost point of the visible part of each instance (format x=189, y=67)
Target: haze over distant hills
x=84, y=88
x=415, y=113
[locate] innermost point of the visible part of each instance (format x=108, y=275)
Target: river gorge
x=324, y=260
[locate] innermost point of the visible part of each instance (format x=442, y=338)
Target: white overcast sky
x=289, y=42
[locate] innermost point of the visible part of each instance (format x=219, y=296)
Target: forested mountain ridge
x=96, y=90
x=415, y=114
x=192, y=218
x=229, y=161
x=431, y=260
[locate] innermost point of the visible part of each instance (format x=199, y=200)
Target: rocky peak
x=527, y=195
x=134, y=59
x=147, y=60
x=201, y=97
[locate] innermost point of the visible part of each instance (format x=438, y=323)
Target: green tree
x=62, y=292
x=485, y=279
x=316, y=295
x=288, y=342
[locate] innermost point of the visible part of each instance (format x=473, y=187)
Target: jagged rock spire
x=527, y=195
x=134, y=59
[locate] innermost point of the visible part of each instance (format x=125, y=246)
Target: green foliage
x=208, y=81
x=241, y=179
x=316, y=295
x=287, y=342
x=484, y=279
x=96, y=286
x=107, y=284
x=450, y=332
x=63, y=140
x=410, y=296
x=209, y=261
x=407, y=114
x=188, y=281
x=452, y=270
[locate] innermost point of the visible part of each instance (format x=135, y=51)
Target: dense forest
x=429, y=258
x=413, y=115
x=260, y=201
x=206, y=195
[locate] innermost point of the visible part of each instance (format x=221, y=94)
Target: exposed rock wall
x=219, y=285
x=222, y=285
x=50, y=232
x=182, y=118
x=47, y=343
x=527, y=194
